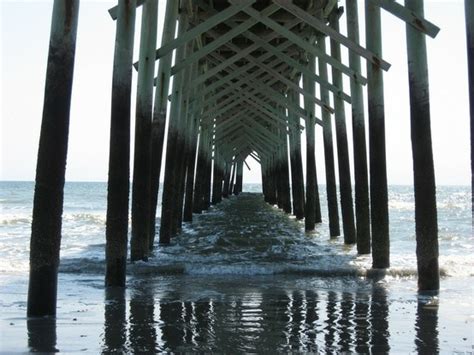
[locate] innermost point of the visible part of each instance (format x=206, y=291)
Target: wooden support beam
x=312, y=207
x=469, y=14
x=221, y=40
x=159, y=112
x=51, y=165
x=116, y=232
x=304, y=45
x=331, y=192
x=320, y=26
x=170, y=184
x=359, y=140
x=113, y=12
x=203, y=27
x=141, y=187
x=378, y=160
x=410, y=17
x=426, y=217
x=345, y=185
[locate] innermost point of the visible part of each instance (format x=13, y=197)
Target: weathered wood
x=378, y=160
x=345, y=185
x=304, y=45
x=469, y=12
x=297, y=181
x=312, y=208
x=410, y=17
x=225, y=189
x=174, y=153
x=426, y=217
x=334, y=34
x=195, y=31
x=239, y=178
x=159, y=112
x=331, y=192
x=119, y=157
x=141, y=187
x=359, y=140
x=51, y=165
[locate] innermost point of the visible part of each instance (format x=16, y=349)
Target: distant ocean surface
x=214, y=251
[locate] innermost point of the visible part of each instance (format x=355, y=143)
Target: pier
x=236, y=80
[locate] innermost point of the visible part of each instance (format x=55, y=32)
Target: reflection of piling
x=141, y=190
x=42, y=335
x=423, y=166
x=469, y=10
x=426, y=327
x=51, y=166
x=378, y=163
x=115, y=322
x=118, y=186
x=345, y=186
x=359, y=142
x=331, y=191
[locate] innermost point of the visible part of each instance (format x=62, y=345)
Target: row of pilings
x=209, y=137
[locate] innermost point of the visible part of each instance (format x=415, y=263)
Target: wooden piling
x=331, y=192
x=217, y=181
x=297, y=181
x=51, y=166
x=141, y=187
x=232, y=179
x=119, y=157
x=347, y=208
x=426, y=218
x=174, y=153
x=284, y=172
x=239, y=178
x=159, y=111
x=200, y=172
x=359, y=139
x=469, y=13
x=190, y=168
x=378, y=161
x=312, y=208
x=225, y=189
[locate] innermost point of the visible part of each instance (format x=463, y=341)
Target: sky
x=24, y=30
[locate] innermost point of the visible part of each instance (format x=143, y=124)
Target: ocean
x=243, y=277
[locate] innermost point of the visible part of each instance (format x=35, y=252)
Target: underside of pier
x=233, y=80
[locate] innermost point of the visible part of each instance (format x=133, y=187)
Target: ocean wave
x=97, y=266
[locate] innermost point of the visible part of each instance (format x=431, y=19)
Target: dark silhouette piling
x=175, y=152
x=51, y=165
x=159, y=111
x=312, y=208
x=378, y=160
x=239, y=178
x=469, y=12
x=118, y=186
x=331, y=192
x=426, y=218
x=359, y=140
x=345, y=187
x=141, y=188
x=297, y=182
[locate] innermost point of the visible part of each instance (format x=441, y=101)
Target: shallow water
x=244, y=277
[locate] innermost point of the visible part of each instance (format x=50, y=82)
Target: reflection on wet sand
x=42, y=335
x=262, y=319
x=426, y=326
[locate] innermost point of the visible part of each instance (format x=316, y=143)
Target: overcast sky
x=25, y=27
